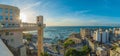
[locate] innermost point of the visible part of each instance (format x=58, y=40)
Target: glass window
x=6, y=10
x=3, y=24
x=6, y=17
x=1, y=10
x=1, y=17
x=11, y=17
x=9, y=24
x=0, y=35
x=13, y=24
x=11, y=11
x=11, y=33
x=6, y=25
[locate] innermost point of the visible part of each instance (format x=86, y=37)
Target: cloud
x=77, y=19
x=54, y=13
x=82, y=11
x=32, y=5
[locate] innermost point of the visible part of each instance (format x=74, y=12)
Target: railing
x=28, y=25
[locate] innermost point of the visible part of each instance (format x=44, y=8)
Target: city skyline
x=69, y=12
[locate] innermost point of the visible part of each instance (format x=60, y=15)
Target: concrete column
x=40, y=41
x=40, y=34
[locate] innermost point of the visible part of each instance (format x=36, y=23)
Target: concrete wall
x=14, y=40
x=23, y=51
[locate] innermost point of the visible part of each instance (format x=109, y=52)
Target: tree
x=28, y=39
x=45, y=54
x=27, y=36
x=72, y=52
x=85, y=50
x=67, y=43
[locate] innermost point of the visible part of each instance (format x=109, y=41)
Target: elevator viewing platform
x=12, y=28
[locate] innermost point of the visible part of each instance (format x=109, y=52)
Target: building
x=85, y=32
x=76, y=38
x=101, y=36
x=115, y=52
x=12, y=28
x=116, y=32
x=101, y=52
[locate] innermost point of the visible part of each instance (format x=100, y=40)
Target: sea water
x=54, y=33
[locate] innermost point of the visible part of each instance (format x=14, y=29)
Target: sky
x=68, y=12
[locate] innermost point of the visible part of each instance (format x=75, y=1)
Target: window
x=9, y=24
x=3, y=24
x=7, y=33
x=11, y=33
x=0, y=35
x=12, y=40
x=1, y=10
x=1, y=17
x=13, y=24
x=11, y=17
x=6, y=25
x=11, y=12
x=6, y=10
x=6, y=17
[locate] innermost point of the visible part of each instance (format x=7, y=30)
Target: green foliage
x=28, y=39
x=27, y=36
x=45, y=54
x=85, y=50
x=68, y=43
x=72, y=52
x=66, y=39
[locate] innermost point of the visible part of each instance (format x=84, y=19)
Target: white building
x=101, y=36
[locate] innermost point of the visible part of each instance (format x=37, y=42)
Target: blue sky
x=69, y=12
